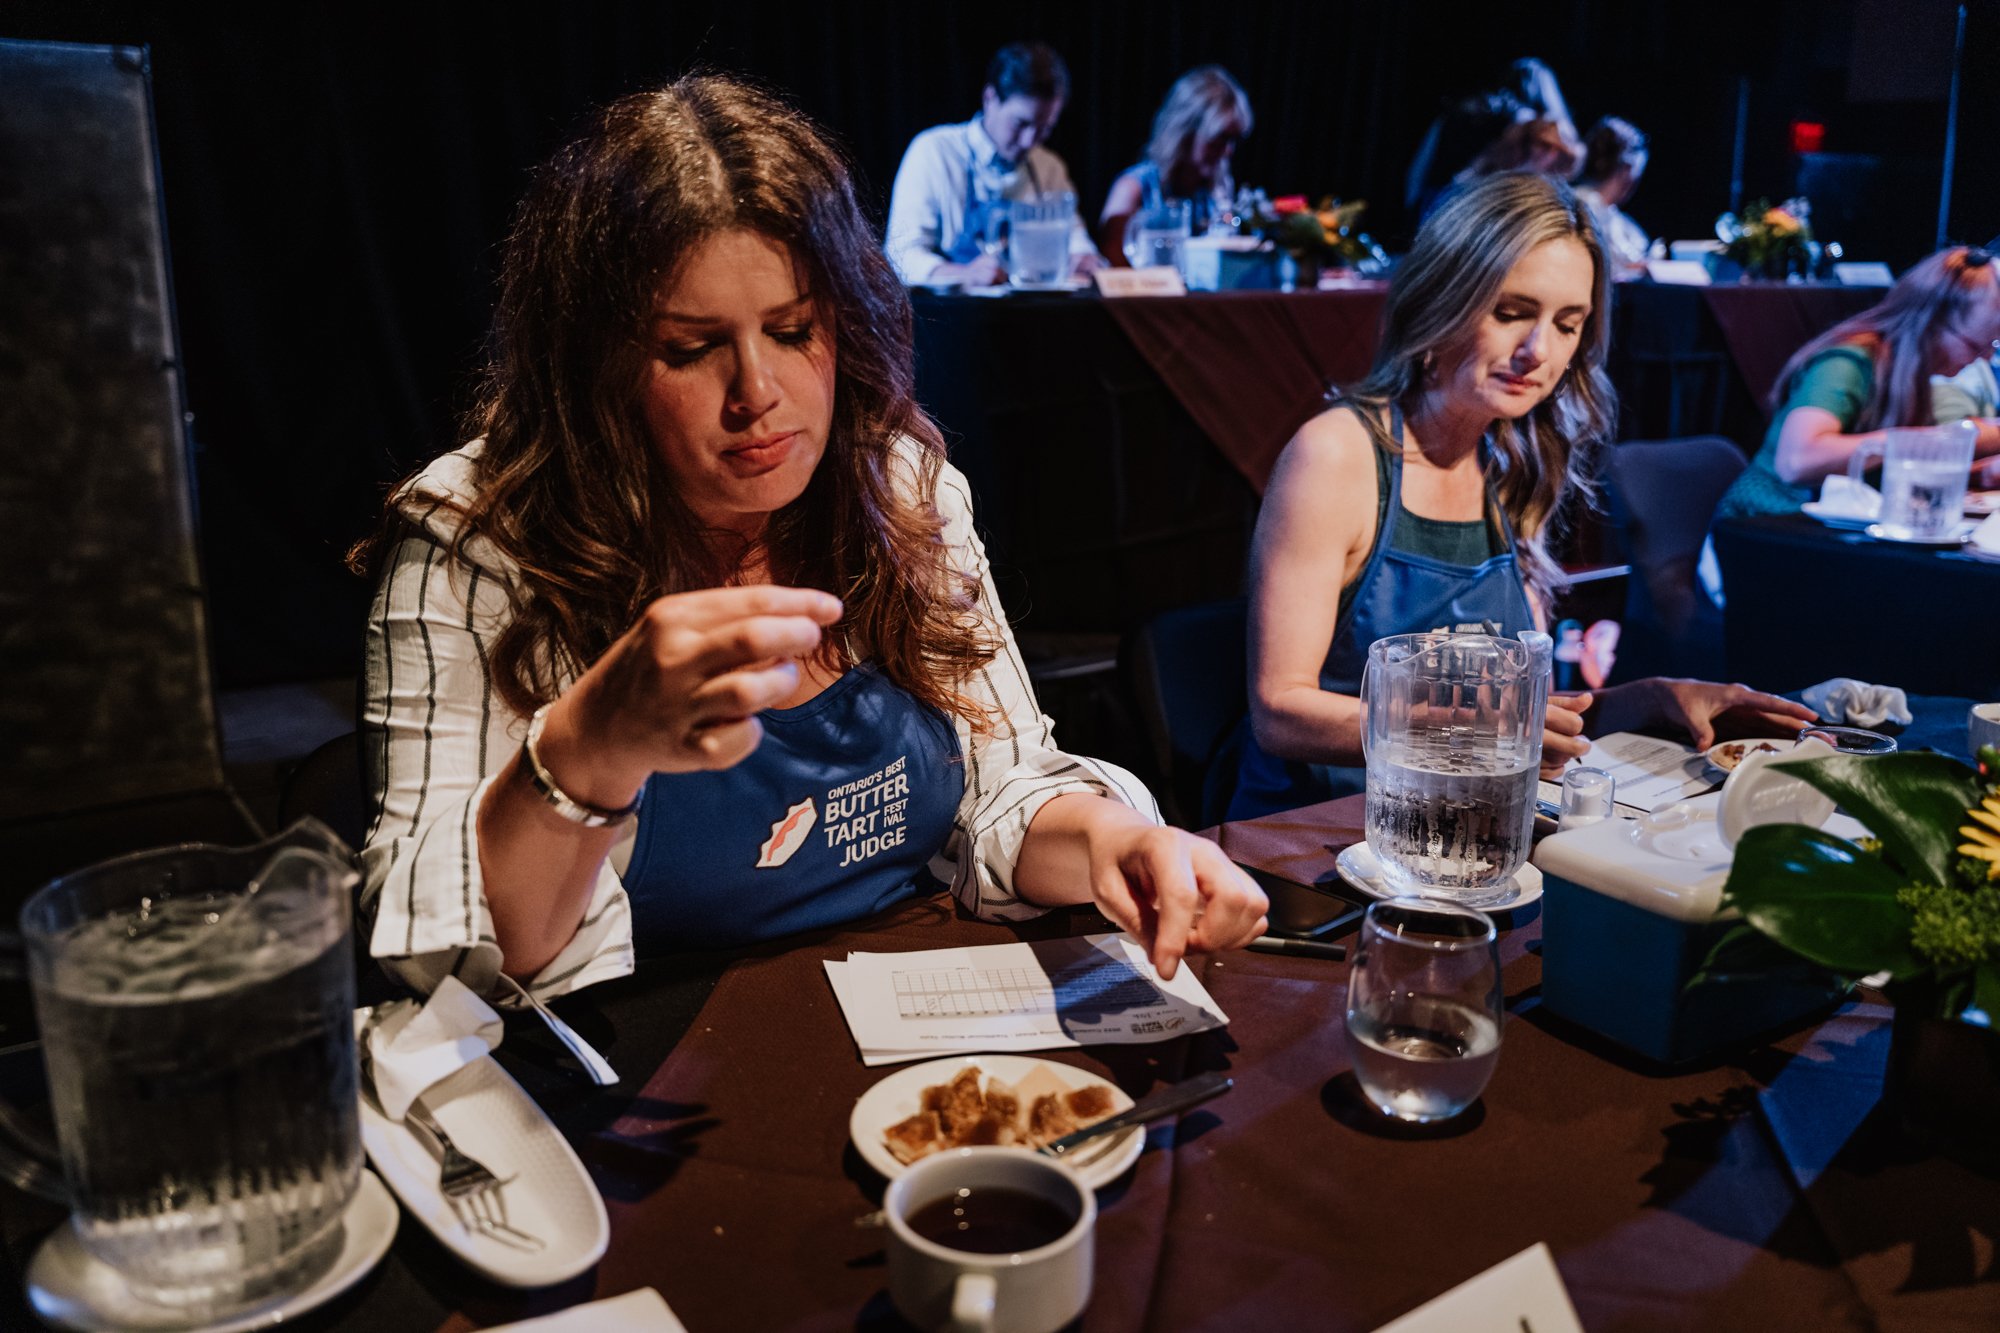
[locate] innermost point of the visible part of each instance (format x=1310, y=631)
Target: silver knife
x=1153, y=1106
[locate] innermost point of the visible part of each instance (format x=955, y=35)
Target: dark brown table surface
x=1667, y=1198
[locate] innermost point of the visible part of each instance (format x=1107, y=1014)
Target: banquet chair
x=1186, y=670
x=328, y=785
x=1661, y=494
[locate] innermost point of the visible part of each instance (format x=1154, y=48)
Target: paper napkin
x=416, y=1045
x=1858, y=703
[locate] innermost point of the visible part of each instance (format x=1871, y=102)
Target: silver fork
x=468, y=1185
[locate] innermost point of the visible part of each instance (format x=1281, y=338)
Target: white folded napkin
x=1987, y=536
x=416, y=1045
x=1841, y=496
x=1858, y=703
x=641, y=1311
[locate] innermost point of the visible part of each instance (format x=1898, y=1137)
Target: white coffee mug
x=1018, y=1290
x=1982, y=726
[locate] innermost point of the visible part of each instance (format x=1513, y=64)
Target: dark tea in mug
x=989, y=1219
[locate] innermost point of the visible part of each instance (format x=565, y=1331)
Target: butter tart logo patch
x=788, y=835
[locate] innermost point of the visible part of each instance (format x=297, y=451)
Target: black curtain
x=337, y=180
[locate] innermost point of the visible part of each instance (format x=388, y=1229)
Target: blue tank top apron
x=965, y=248
x=1399, y=592
x=836, y=815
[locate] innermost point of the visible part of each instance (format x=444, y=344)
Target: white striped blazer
x=435, y=733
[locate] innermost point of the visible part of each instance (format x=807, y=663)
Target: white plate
x=1725, y=757
x=900, y=1096
x=72, y=1288
x=1836, y=518
x=1058, y=285
x=1982, y=503
x=1359, y=866
x=548, y=1195
x=1958, y=536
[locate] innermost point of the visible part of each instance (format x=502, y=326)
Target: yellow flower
x=1781, y=222
x=1983, y=833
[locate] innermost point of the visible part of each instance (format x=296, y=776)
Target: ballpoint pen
x=1303, y=948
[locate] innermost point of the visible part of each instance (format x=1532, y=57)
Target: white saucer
x=1836, y=518
x=548, y=1194
x=900, y=1096
x=72, y=1288
x=1358, y=865
x=1959, y=536
x=1055, y=285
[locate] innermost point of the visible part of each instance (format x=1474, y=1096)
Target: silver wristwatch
x=575, y=811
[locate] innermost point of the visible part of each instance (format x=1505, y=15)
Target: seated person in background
x=1614, y=157
x=696, y=645
x=1522, y=125
x=1421, y=500
x=1870, y=372
x=953, y=177
x=1205, y=116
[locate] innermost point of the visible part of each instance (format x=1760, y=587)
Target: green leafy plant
x=1920, y=900
x=1328, y=234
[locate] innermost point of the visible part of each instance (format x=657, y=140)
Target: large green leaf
x=1913, y=802
x=1745, y=953
x=1824, y=899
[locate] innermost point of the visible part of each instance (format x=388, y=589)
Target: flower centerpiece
x=1312, y=238
x=1919, y=901
x=1770, y=240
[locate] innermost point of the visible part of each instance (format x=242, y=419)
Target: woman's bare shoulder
x=1330, y=457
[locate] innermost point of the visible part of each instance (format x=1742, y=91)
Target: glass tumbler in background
x=1157, y=236
x=1424, y=1007
x=1038, y=238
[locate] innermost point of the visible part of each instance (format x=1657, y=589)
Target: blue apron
x=834, y=816
x=1398, y=593
x=965, y=248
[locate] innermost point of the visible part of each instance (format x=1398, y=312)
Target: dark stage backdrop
x=337, y=178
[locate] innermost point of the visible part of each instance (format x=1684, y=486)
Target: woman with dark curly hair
x=1423, y=498
x=695, y=644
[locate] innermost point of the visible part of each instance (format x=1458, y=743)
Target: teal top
x=1839, y=380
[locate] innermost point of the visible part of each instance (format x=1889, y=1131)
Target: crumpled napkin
x=1858, y=703
x=641, y=1311
x=1986, y=537
x=1841, y=496
x=416, y=1045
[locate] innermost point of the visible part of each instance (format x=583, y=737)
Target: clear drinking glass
x=1424, y=1007
x=1924, y=474
x=196, y=1006
x=1157, y=237
x=1038, y=234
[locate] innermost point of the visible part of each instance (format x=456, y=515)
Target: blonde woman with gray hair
x=1206, y=115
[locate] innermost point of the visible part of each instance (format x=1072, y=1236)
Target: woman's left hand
x=1709, y=712
x=1173, y=892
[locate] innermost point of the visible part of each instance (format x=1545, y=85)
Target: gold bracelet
x=565, y=805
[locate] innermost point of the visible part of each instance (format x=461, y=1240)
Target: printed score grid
x=989, y=992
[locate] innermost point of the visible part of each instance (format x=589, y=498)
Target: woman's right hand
x=681, y=690
x=1562, y=733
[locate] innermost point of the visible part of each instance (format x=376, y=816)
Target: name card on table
x=1681, y=272
x=1158, y=281
x=1524, y=1294
x=1863, y=275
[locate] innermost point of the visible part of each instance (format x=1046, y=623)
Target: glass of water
x=1424, y=1007
x=1924, y=474
x=1038, y=239
x=1157, y=237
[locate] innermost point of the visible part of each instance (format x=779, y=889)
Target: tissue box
x=1629, y=915
x=1228, y=264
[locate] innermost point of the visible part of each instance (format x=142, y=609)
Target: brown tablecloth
x=1664, y=1196
x=1765, y=322
x=1252, y=367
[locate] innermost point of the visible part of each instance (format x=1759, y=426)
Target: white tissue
x=1858, y=703
x=1841, y=496
x=416, y=1046
x=1987, y=535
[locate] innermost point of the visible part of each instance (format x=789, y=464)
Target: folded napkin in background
x=1986, y=537
x=641, y=1311
x=1858, y=703
x=1843, y=497
x=415, y=1046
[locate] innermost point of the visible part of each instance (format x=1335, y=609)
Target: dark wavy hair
x=570, y=486
x=1900, y=332
x=1441, y=291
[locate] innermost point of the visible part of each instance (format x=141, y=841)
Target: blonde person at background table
x=696, y=644
x=1206, y=115
x=1422, y=499
x=954, y=178
x=1870, y=372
